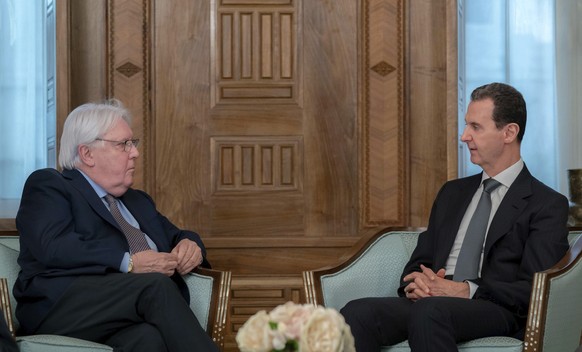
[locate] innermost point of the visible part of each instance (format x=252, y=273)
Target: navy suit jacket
x=66, y=231
x=527, y=234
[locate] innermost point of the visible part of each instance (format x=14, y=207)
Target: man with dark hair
x=471, y=273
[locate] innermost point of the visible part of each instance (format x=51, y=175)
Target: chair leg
x=5, y=304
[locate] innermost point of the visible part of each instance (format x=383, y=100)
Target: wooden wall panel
x=128, y=72
x=266, y=164
x=384, y=166
x=432, y=102
x=252, y=294
x=87, y=52
x=283, y=79
x=258, y=51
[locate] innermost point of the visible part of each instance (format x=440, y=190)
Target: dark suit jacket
x=66, y=231
x=527, y=234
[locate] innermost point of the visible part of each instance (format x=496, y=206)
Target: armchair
x=209, y=300
x=555, y=311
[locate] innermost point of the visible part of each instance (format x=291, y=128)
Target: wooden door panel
x=277, y=121
x=181, y=107
x=256, y=52
x=257, y=101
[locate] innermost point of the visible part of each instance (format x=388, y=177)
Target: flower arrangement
x=295, y=327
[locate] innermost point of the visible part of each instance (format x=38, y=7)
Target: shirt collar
x=507, y=176
x=98, y=189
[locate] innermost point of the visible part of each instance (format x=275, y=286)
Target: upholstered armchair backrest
x=378, y=269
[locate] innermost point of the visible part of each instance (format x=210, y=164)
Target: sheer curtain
x=569, y=87
x=513, y=42
x=23, y=97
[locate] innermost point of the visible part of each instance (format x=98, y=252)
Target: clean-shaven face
x=484, y=140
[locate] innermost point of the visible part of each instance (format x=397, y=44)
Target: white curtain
x=512, y=41
x=569, y=87
x=22, y=97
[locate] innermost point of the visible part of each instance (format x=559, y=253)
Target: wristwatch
x=130, y=265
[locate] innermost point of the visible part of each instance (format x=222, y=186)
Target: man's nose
x=134, y=152
x=465, y=136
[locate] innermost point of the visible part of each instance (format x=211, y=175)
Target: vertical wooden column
x=384, y=189
x=128, y=67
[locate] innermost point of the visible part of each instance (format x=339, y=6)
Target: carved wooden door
x=264, y=136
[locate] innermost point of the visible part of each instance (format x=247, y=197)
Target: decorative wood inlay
x=383, y=68
x=257, y=2
x=272, y=92
x=128, y=43
x=128, y=69
x=256, y=163
x=246, y=46
x=256, y=44
x=227, y=46
x=383, y=120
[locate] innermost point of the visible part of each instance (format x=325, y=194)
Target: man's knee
x=156, y=278
x=157, y=282
x=427, y=311
x=360, y=311
x=155, y=289
x=351, y=309
x=139, y=337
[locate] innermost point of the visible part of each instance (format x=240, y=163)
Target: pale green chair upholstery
x=209, y=300
x=555, y=313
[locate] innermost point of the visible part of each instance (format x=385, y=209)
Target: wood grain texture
x=128, y=49
x=259, y=292
x=430, y=88
x=384, y=167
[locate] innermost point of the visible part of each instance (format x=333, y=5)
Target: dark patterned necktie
x=135, y=238
x=467, y=266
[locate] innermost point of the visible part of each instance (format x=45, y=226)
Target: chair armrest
x=210, y=299
x=555, y=310
x=5, y=305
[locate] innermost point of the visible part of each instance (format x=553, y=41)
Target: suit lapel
x=511, y=206
x=80, y=183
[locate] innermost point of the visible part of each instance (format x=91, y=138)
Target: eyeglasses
x=127, y=144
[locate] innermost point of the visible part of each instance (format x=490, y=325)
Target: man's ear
x=511, y=132
x=86, y=155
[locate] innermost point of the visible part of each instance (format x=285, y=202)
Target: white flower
x=290, y=325
x=278, y=336
x=326, y=331
x=293, y=316
x=254, y=335
x=349, y=343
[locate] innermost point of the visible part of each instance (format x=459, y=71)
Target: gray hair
x=85, y=124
